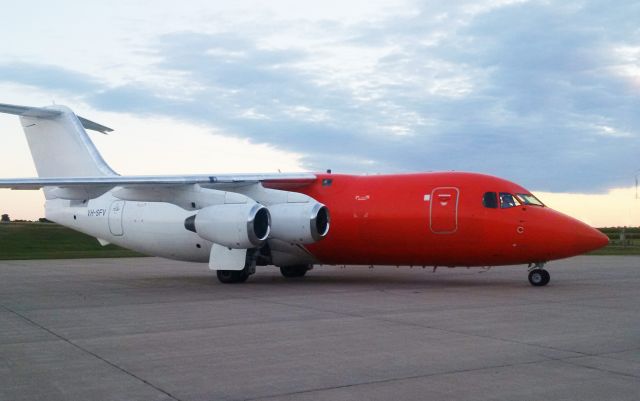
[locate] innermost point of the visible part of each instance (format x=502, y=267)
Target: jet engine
x=239, y=226
x=300, y=223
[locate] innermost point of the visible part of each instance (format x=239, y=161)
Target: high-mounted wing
x=206, y=181
x=184, y=191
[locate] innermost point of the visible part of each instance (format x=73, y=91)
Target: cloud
x=49, y=77
x=541, y=93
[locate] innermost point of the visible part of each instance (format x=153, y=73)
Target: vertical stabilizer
x=59, y=144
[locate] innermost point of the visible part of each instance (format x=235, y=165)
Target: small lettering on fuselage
x=96, y=212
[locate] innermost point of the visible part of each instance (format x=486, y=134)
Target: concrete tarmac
x=153, y=329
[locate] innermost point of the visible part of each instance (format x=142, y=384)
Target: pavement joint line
x=608, y=354
x=597, y=306
x=614, y=372
x=377, y=318
x=66, y=340
x=122, y=305
x=390, y=380
x=394, y=379
x=404, y=323
x=509, y=340
x=523, y=303
x=134, y=334
x=380, y=318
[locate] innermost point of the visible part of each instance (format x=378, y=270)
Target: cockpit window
x=529, y=199
x=507, y=200
x=490, y=200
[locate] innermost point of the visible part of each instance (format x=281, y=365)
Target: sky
x=543, y=93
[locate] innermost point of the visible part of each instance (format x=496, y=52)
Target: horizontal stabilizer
x=42, y=112
x=28, y=111
x=88, y=124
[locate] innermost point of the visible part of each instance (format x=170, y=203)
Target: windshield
x=507, y=200
x=529, y=199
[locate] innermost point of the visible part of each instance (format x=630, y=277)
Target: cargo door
x=443, y=210
x=115, y=218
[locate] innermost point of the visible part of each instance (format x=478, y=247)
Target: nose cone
x=560, y=236
x=589, y=239
x=579, y=237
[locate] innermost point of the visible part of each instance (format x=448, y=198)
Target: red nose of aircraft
x=579, y=237
x=589, y=239
x=560, y=236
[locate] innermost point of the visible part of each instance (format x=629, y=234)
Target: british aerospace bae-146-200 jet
x=236, y=222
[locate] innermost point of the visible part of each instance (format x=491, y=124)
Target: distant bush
x=617, y=230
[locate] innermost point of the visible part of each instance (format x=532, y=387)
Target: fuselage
x=440, y=219
x=435, y=219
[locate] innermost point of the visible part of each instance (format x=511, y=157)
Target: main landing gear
x=233, y=276
x=240, y=276
x=538, y=276
x=295, y=270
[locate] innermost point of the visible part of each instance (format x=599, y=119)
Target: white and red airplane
x=238, y=222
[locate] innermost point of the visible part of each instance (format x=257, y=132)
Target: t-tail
x=59, y=144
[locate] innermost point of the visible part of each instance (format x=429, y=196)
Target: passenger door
x=443, y=210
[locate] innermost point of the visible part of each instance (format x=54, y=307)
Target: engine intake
x=239, y=226
x=300, y=223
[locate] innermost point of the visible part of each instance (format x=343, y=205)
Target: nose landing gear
x=538, y=276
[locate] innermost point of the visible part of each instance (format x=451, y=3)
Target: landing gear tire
x=539, y=277
x=294, y=271
x=232, y=276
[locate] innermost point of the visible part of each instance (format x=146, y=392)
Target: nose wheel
x=539, y=277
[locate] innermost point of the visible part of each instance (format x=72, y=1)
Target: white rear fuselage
x=152, y=228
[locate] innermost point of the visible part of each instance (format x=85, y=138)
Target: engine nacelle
x=238, y=226
x=299, y=223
